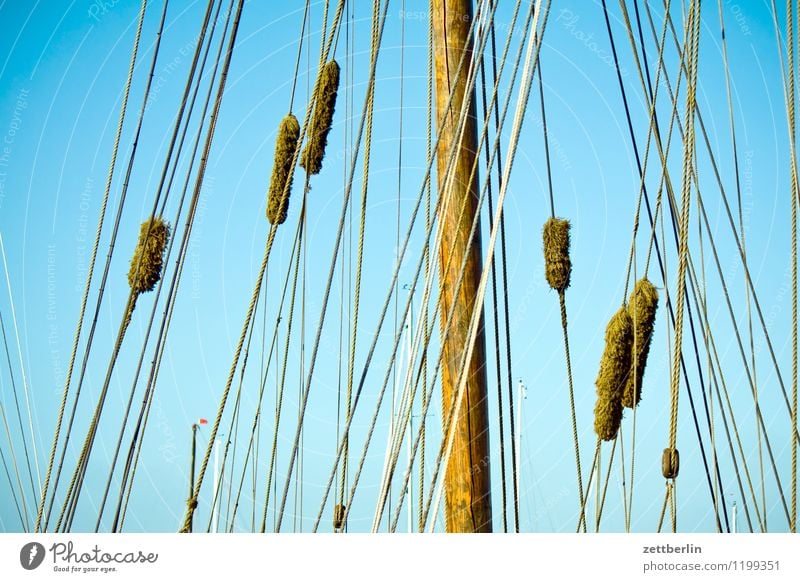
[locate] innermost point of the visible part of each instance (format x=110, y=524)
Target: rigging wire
x=531, y=62
x=25, y=388
x=22, y=521
x=112, y=164
x=661, y=260
x=75, y=486
x=562, y=301
x=306, y=10
x=496, y=317
x=471, y=79
x=427, y=266
x=724, y=42
x=19, y=418
x=176, y=131
x=361, y=233
x=326, y=295
x=295, y=257
x=25, y=521
x=752, y=289
x=147, y=401
x=381, y=319
x=683, y=253
x=794, y=201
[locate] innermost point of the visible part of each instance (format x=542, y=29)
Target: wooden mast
x=468, y=505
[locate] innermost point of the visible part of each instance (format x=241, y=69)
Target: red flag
x=203, y=421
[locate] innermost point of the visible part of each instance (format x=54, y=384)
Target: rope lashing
x=642, y=307
x=614, y=368
x=557, y=266
x=148, y=256
x=279, y=190
x=311, y=158
x=670, y=463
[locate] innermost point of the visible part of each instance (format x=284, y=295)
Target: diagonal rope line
x=25, y=389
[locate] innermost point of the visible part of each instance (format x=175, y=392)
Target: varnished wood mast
x=468, y=506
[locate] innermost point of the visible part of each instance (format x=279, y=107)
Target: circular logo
x=31, y=555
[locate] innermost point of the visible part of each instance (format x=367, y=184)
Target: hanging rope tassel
x=642, y=307
x=148, y=256
x=311, y=159
x=557, y=266
x=614, y=367
x=279, y=190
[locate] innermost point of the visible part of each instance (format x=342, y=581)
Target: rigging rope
x=23, y=521
x=19, y=412
x=101, y=219
x=281, y=383
x=495, y=310
x=426, y=182
x=562, y=301
x=794, y=201
x=306, y=10
x=147, y=401
x=661, y=261
x=75, y=487
x=461, y=271
x=201, y=172
x=25, y=388
x=530, y=64
x=471, y=79
x=361, y=231
x=724, y=43
x=176, y=131
x=683, y=254
x=755, y=297
x=427, y=261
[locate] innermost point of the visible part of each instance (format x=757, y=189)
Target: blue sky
x=62, y=71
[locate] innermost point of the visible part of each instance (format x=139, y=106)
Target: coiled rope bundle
x=148, y=256
x=614, y=367
x=557, y=265
x=642, y=308
x=279, y=190
x=311, y=158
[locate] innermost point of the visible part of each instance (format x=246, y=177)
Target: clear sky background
x=63, y=67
